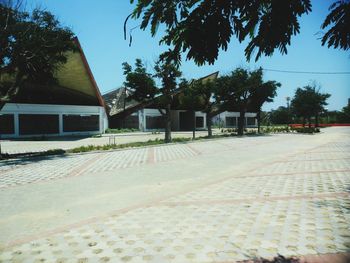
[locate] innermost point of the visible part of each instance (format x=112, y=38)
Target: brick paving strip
x=261, y=199
x=294, y=173
x=151, y=156
x=85, y=165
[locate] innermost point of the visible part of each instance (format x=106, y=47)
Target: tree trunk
x=12, y=91
x=193, y=124
x=258, y=117
x=167, y=124
x=209, y=123
x=241, y=123
x=309, y=121
x=304, y=121
x=316, y=121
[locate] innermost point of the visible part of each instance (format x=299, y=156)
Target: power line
x=307, y=72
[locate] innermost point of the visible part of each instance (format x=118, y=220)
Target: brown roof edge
x=216, y=73
x=92, y=79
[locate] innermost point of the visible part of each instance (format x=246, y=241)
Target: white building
x=181, y=120
x=228, y=119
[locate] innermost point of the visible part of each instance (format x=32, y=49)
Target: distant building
x=124, y=113
x=145, y=116
x=72, y=107
x=229, y=119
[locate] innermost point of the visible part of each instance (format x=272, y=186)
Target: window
x=155, y=122
x=231, y=121
x=250, y=121
x=131, y=122
x=81, y=123
x=7, y=124
x=199, y=122
x=30, y=124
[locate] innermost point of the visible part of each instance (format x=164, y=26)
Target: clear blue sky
x=99, y=27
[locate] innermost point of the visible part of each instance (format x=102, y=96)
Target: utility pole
x=124, y=119
x=288, y=108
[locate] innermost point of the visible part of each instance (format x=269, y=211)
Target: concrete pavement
x=216, y=201
x=65, y=143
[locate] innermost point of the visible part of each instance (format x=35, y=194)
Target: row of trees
x=307, y=104
x=241, y=91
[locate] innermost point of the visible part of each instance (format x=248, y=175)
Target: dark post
x=124, y=107
x=194, y=125
x=288, y=108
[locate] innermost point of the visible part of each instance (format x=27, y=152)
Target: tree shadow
x=49, y=138
x=28, y=158
x=278, y=259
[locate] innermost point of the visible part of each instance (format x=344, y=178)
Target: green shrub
x=309, y=130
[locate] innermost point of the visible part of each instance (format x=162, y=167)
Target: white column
x=60, y=123
x=101, y=120
x=141, y=120
x=16, y=119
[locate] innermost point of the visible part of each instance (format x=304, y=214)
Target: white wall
x=19, y=108
x=175, y=118
x=222, y=116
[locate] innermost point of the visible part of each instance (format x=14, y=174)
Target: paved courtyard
x=50, y=143
x=223, y=200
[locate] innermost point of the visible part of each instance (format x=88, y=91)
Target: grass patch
x=157, y=141
x=89, y=148
x=105, y=147
x=121, y=130
x=287, y=129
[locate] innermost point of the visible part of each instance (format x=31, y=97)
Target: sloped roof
x=209, y=77
x=117, y=102
x=76, y=85
x=76, y=75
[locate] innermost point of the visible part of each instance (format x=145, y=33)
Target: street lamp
x=288, y=108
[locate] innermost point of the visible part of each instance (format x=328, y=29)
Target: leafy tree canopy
x=244, y=90
x=338, y=35
x=309, y=101
x=139, y=82
x=32, y=47
x=203, y=27
x=280, y=116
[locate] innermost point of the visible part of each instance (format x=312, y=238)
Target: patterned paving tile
x=304, y=167
x=293, y=207
x=270, y=186
x=320, y=156
x=173, y=152
x=21, y=173
x=201, y=233
x=46, y=169
x=119, y=160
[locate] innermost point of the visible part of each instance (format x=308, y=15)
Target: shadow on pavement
x=28, y=158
